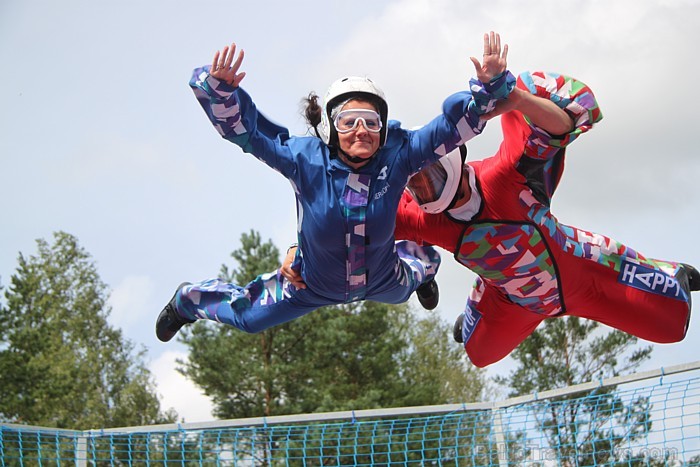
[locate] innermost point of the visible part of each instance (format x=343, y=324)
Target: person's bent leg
x=415, y=265
x=267, y=301
x=491, y=327
x=647, y=298
x=423, y=263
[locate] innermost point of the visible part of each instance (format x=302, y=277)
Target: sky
x=101, y=137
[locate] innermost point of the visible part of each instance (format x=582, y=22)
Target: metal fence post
x=81, y=450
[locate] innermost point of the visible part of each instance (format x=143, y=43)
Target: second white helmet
x=435, y=187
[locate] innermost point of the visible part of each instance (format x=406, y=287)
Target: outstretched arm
x=231, y=110
x=542, y=112
x=462, y=111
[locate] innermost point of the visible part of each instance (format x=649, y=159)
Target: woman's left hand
x=495, y=62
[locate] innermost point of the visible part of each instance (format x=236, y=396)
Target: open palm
x=494, y=61
x=225, y=68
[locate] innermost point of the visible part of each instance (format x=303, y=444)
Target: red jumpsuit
x=531, y=267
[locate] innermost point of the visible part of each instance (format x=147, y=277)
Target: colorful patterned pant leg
x=267, y=301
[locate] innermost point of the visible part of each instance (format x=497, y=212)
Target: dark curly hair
x=312, y=111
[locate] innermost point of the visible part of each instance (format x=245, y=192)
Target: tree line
x=63, y=365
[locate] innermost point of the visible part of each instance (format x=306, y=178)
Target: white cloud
x=633, y=55
x=129, y=300
x=178, y=392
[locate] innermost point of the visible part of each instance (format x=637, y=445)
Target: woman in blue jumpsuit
x=348, y=183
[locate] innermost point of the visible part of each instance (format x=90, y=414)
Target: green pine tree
x=363, y=355
x=351, y=357
x=61, y=363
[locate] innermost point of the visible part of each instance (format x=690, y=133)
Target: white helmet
x=347, y=88
x=435, y=187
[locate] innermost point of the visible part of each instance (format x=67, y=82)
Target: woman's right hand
x=225, y=69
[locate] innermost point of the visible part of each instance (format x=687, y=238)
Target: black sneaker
x=689, y=278
x=169, y=320
x=693, y=277
x=457, y=329
x=428, y=294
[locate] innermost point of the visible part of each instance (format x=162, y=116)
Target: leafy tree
x=61, y=363
x=434, y=367
x=350, y=357
x=568, y=351
x=355, y=356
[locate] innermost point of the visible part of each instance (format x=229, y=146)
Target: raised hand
x=224, y=68
x=495, y=62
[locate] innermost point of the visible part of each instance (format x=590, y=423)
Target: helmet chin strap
x=355, y=159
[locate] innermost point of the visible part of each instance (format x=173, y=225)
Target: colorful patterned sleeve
x=571, y=95
x=234, y=115
x=487, y=94
x=463, y=110
x=218, y=100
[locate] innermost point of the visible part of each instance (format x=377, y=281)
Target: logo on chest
x=382, y=192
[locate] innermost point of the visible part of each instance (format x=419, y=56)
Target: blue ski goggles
x=347, y=120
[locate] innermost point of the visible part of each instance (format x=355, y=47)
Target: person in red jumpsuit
x=494, y=216
x=530, y=266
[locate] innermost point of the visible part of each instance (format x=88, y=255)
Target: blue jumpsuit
x=345, y=217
